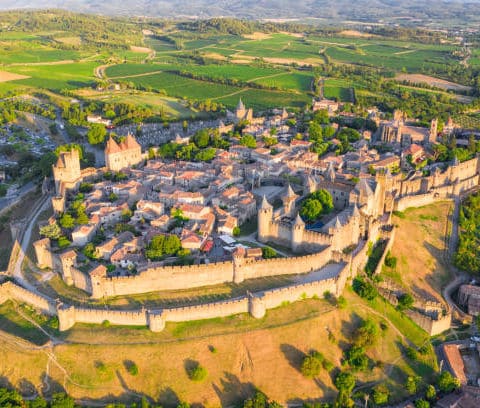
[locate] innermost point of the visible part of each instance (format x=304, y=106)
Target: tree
x=161, y=246
x=51, y=231
x=447, y=383
x=411, y=385
x=345, y=383
x=38, y=402
x=201, y=138
x=45, y=163
x=421, y=403
x=260, y=400
x=268, y=252
x=321, y=117
x=431, y=392
x=85, y=187
x=197, y=372
x=248, y=141
x=10, y=399
x=311, y=209
x=90, y=251
x=405, y=301
x=367, y=334
x=356, y=358
x=3, y=190
x=380, y=394
x=316, y=204
x=269, y=141
x=312, y=364
x=364, y=289
x=206, y=154
x=67, y=221
x=315, y=132
x=236, y=232
x=96, y=134
x=63, y=242
x=62, y=400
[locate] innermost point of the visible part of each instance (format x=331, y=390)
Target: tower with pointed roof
x=265, y=215
x=288, y=200
x=121, y=155
x=241, y=113
x=298, y=227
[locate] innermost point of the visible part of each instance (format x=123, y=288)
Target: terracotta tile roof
x=455, y=361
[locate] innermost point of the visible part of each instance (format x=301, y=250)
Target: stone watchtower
x=238, y=262
x=43, y=253
x=298, y=227
x=67, y=169
x=289, y=202
x=67, y=262
x=265, y=216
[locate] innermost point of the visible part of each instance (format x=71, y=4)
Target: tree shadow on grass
x=231, y=391
x=293, y=355
x=168, y=398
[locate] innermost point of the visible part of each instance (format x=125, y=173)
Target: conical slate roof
x=290, y=192
x=364, y=187
x=338, y=224
x=330, y=172
x=298, y=220
x=355, y=212
x=240, y=105
x=265, y=204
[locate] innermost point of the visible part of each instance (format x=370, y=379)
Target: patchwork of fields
x=266, y=70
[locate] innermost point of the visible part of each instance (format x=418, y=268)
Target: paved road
x=25, y=237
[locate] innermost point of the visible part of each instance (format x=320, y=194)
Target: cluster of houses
x=200, y=201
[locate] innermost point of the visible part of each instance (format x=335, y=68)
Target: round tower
x=156, y=321
x=256, y=307
x=265, y=215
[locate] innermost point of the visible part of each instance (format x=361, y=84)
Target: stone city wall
x=431, y=326
x=81, y=280
x=153, y=278
x=388, y=247
x=9, y=290
x=207, y=311
x=286, y=266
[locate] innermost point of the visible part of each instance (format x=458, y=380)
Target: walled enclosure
x=359, y=226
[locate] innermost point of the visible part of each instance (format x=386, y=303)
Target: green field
x=230, y=66
x=57, y=77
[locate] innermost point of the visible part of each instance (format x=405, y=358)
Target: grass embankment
x=419, y=247
x=246, y=353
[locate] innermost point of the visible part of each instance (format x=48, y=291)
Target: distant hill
x=404, y=11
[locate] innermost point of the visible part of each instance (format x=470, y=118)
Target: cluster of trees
x=467, y=256
x=316, y=204
x=119, y=113
x=9, y=108
x=365, y=336
x=163, y=245
x=313, y=364
x=319, y=132
x=95, y=31
x=202, y=147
